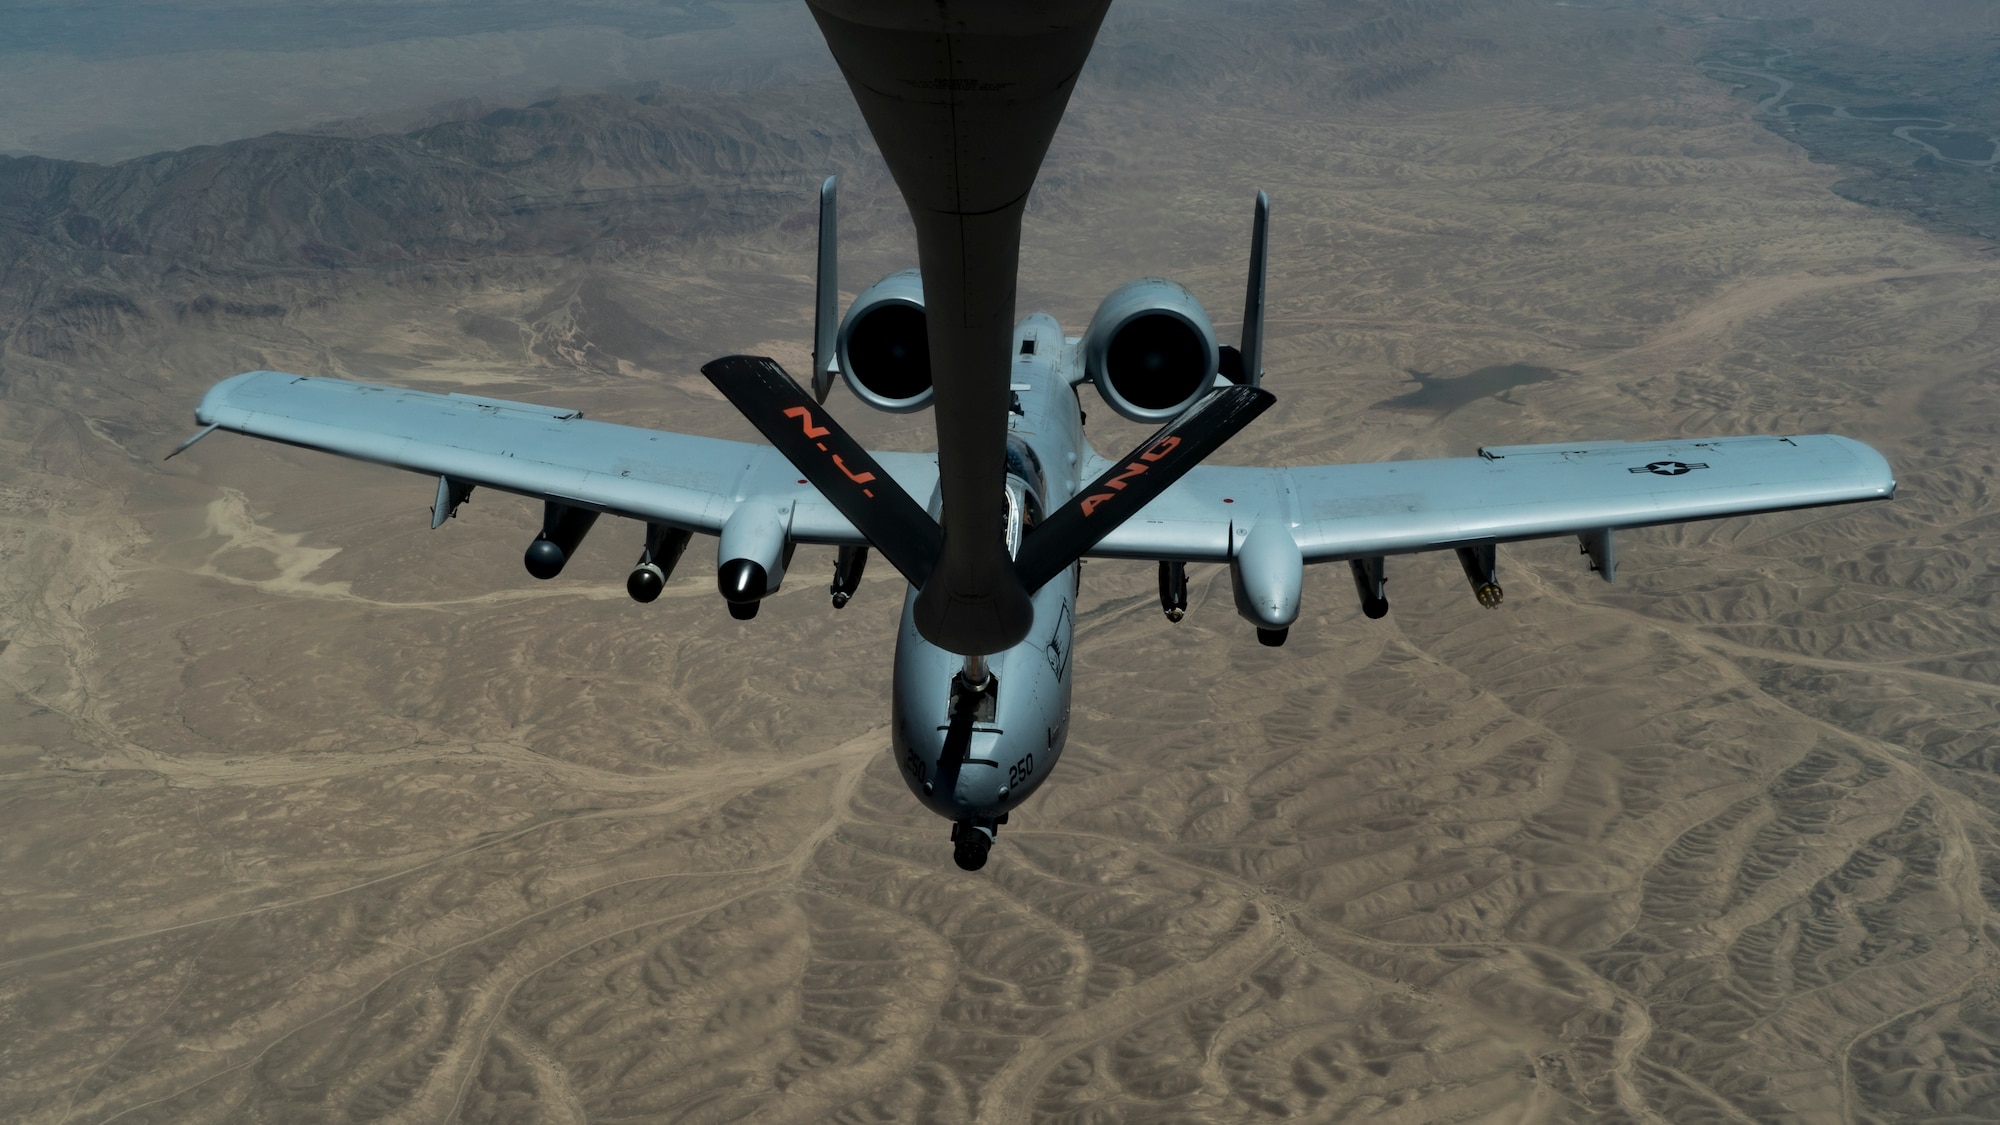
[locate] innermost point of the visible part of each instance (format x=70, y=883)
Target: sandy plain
x=312, y=814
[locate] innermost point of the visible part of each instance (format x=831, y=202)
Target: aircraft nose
x=956, y=786
x=980, y=779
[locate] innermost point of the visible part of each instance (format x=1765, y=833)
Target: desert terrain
x=310, y=814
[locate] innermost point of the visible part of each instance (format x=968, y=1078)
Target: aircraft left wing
x=688, y=482
x=1507, y=493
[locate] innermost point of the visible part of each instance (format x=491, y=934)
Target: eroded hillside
x=315, y=813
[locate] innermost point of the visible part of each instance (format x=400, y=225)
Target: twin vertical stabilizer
x=1252, y=347
x=826, y=295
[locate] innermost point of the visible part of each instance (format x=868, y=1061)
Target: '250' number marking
x=1021, y=771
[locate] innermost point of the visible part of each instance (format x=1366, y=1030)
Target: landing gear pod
x=1267, y=576
x=1372, y=586
x=1482, y=570
x=664, y=546
x=563, y=527
x=751, y=556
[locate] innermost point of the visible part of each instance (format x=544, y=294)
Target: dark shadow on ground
x=1442, y=396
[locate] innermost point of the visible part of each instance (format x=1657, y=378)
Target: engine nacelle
x=1151, y=350
x=1267, y=575
x=885, y=345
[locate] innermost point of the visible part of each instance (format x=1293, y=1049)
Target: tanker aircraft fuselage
x=963, y=98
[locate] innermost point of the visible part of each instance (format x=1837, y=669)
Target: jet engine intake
x=1151, y=350
x=885, y=345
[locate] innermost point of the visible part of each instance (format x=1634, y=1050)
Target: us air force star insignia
x=1669, y=468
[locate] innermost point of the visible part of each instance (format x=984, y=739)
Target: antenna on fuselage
x=1252, y=346
x=826, y=295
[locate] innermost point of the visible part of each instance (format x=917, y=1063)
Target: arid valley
x=309, y=813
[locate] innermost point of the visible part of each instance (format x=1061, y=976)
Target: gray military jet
x=963, y=97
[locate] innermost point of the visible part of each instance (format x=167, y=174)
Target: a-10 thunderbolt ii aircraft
x=963, y=97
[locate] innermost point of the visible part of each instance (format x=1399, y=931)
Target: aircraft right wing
x=678, y=480
x=1505, y=494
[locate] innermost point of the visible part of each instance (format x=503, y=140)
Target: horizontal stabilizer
x=1135, y=481
x=835, y=463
